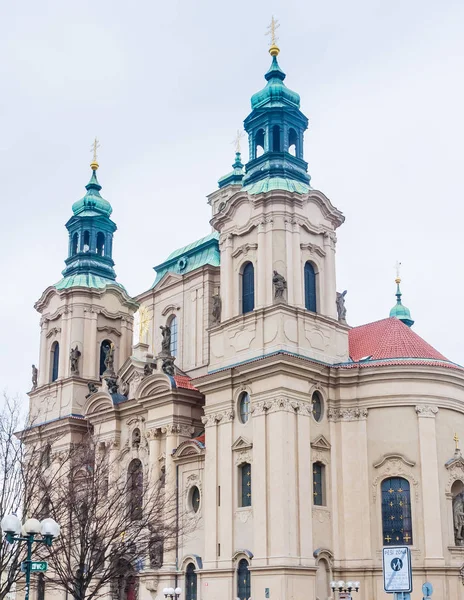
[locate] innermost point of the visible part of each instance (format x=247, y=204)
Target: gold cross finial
x=94, y=164
x=236, y=140
x=456, y=441
x=271, y=31
x=398, y=267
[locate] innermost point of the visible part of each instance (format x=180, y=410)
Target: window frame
x=239, y=573
x=385, y=534
x=245, y=501
x=174, y=344
x=321, y=399
x=309, y=305
x=249, y=304
x=54, y=361
x=321, y=483
x=241, y=398
x=190, y=571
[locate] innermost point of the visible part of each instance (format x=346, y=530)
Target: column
x=225, y=480
x=227, y=274
x=260, y=265
x=267, y=272
x=210, y=500
x=297, y=268
x=304, y=485
x=260, y=483
x=329, y=291
x=433, y=539
x=44, y=358
x=169, y=561
x=63, y=370
x=289, y=276
x=154, y=450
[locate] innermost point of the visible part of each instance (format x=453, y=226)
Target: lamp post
x=344, y=588
x=172, y=593
x=48, y=529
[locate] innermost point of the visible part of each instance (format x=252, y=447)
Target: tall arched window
x=259, y=143
x=100, y=243
x=55, y=361
x=292, y=142
x=244, y=407
x=276, y=139
x=243, y=580
x=174, y=336
x=248, y=288
x=74, y=243
x=104, y=349
x=396, y=512
x=86, y=242
x=310, y=287
x=319, y=484
x=191, y=582
x=245, y=484
x=135, y=489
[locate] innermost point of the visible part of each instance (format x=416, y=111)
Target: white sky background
x=165, y=85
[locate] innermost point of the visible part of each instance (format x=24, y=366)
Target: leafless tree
x=112, y=523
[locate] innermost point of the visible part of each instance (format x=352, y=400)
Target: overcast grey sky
x=165, y=85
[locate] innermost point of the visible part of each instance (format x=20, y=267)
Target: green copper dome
x=399, y=310
x=276, y=93
x=92, y=201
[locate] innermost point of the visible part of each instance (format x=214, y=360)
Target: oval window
x=195, y=499
x=244, y=407
x=317, y=406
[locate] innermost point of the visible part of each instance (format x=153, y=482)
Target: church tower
x=85, y=316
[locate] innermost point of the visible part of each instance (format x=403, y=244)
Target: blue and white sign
x=427, y=590
x=397, y=575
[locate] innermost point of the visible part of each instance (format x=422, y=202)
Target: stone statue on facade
x=109, y=359
x=35, y=373
x=74, y=356
x=217, y=305
x=280, y=285
x=168, y=366
x=112, y=383
x=458, y=519
x=166, y=341
x=148, y=370
x=341, y=310
x=92, y=389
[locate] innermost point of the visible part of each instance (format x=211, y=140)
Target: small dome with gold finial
x=399, y=310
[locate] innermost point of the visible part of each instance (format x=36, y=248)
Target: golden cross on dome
x=94, y=148
x=456, y=441
x=237, y=138
x=271, y=30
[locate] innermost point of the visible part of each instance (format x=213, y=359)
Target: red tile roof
x=183, y=381
x=389, y=338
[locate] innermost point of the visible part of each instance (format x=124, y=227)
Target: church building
x=298, y=446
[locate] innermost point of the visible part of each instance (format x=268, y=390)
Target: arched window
x=248, y=288
x=276, y=139
x=396, y=512
x=195, y=499
x=100, y=243
x=259, y=143
x=317, y=406
x=244, y=407
x=104, y=349
x=310, y=287
x=135, y=489
x=74, y=243
x=245, y=484
x=457, y=492
x=174, y=335
x=86, y=243
x=322, y=579
x=55, y=361
x=292, y=142
x=41, y=587
x=190, y=582
x=243, y=580
x=319, y=484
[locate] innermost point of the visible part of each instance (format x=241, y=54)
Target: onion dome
x=399, y=310
x=93, y=201
x=276, y=93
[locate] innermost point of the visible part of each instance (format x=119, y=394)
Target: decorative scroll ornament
x=224, y=416
x=353, y=413
x=425, y=410
x=394, y=466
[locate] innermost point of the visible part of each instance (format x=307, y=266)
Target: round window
x=317, y=406
x=195, y=498
x=182, y=263
x=244, y=407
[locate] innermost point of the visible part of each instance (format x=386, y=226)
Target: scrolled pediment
x=394, y=457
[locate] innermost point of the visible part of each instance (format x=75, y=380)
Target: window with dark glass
x=100, y=243
x=248, y=288
x=55, y=360
x=245, y=484
x=276, y=138
x=74, y=244
x=135, y=489
x=195, y=498
x=292, y=141
x=316, y=402
x=104, y=349
x=244, y=407
x=86, y=242
x=396, y=512
x=243, y=580
x=259, y=143
x=173, y=326
x=191, y=582
x=318, y=484
x=310, y=287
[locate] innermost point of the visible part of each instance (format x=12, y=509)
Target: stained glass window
x=244, y=407
x=173, y=326
x=191, y=583
x=248, y=288
x=245, y=476
x=310, y=287
x=396, y=512
x=243, y=581
x=318, y=484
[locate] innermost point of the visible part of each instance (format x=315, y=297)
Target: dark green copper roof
x=88, y=280
x=92, y=202
x=275, y=93
x=399, y=310
x=234, y=177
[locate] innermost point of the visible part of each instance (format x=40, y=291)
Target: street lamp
x=345, y=588
x=14, y=532
x=172, y=593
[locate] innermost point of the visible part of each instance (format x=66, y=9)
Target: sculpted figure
x=112, y=383
x=341, y=310
x=280, y=285
x=35, y=373
x=147, y=370
x=168, y=366
x=458, y=517
x=74, y=356
x=92, y=389
x=109, y=358
x=216, y=308
x=166, y=341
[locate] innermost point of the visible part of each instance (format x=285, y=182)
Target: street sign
x=344, y=596
x=427, y=590
x=397, y=576
x=36, y=566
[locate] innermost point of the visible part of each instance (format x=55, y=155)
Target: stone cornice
x=224, y=416
x=125, y=299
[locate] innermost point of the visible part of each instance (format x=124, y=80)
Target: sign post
x=397, y=575
x=35, y=566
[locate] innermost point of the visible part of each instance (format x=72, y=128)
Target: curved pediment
x=189, y=448
x=98, y=402
x=153, y=385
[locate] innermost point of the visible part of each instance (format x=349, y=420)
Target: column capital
x=426, y=410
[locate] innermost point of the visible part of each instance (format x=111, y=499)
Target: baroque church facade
x=268, y=415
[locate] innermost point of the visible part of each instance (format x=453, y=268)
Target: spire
x=234, y=177
x=399, y=310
